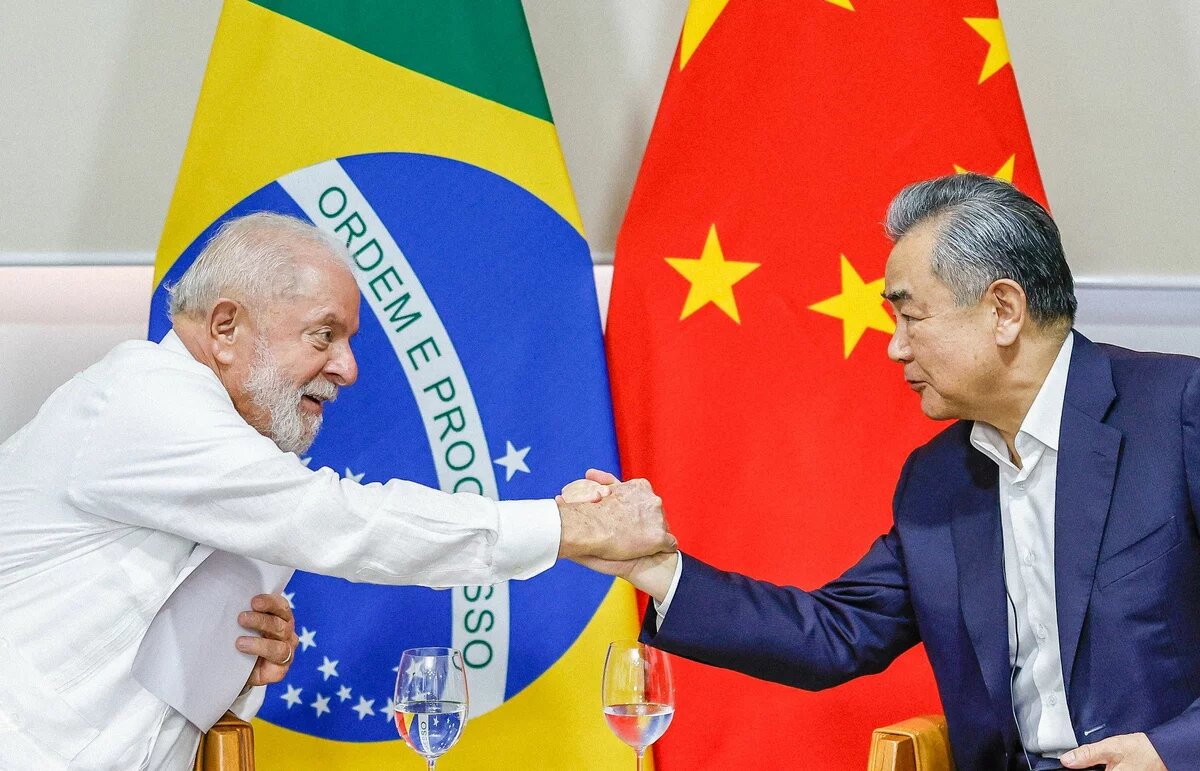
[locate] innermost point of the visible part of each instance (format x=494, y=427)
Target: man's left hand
x=1127, y=752
x=271, y=617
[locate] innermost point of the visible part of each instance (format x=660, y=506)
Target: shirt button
x=1029, y=556
x=1052, y=700
x=1041, y=632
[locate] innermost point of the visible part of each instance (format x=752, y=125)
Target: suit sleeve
x=1178, y=740
x=855, y=625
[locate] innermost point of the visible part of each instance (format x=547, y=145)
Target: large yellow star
x=1005, y=172
x=859, y=306
x=712, y=278
x=992, y=31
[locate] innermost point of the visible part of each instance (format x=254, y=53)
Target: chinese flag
x=746, y=333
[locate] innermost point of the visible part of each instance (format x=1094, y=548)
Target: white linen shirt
x=104, y=495
x=1027, y=499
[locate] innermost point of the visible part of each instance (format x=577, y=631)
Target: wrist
x=573, y=531
x=655, y=574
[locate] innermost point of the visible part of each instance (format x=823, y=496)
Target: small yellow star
x=699, y=20
x=842, y=4
x=992, y=31
x=1005, y=172
x=712, y=278
x=859, y=306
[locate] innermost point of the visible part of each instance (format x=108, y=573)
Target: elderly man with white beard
x=158, y=448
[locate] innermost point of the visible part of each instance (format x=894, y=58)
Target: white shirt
x=1027, y=518
x=103, y=496
x=1027, y=499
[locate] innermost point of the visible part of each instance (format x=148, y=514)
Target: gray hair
x=250, y=259
x=987, y=230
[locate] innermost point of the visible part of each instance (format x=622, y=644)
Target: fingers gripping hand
x=591, y=489
x=275, y=644
x=1127, y=752
x=601, y=477
x=612, y=520
x=636, y=524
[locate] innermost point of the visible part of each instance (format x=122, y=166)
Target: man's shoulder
x=937, y=475
x=149, y=378
x=1148, y=368
x=144, y=358
x=951, y=444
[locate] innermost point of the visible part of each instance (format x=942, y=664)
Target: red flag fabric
x=746, y=335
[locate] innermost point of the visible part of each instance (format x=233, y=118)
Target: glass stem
x=640, y=754
x=432, y=763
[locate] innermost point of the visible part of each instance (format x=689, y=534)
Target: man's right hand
x=653, y=573
x=626, y=523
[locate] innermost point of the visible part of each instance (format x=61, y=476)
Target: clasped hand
x=648, y=565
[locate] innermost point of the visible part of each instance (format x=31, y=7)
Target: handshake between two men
x=613, y=526
x=635, y=540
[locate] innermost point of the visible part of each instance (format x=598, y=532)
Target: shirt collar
x=1045, y=414
x=172, y=342
x=1041, y=422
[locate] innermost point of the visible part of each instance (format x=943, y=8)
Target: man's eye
x=325, y=335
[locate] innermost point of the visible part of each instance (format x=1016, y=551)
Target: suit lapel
x=1087, y=467
x=979, y=552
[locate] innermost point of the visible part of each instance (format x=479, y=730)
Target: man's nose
x=343, y=368
x=898, y=350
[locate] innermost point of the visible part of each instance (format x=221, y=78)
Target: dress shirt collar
x=1039, y=430
x=171, y=342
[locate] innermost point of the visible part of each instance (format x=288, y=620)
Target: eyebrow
x=324, y=319
x=896, y=295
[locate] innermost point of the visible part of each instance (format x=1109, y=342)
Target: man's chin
x=934, y=407
x=312, y=427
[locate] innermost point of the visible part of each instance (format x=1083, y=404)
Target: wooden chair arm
x=916, y=744
x=228, y=746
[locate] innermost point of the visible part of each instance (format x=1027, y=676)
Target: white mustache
x=320, y=389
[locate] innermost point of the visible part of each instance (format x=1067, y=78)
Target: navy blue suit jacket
x=1127, y=576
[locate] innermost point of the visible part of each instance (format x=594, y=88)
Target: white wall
x=1111, y=91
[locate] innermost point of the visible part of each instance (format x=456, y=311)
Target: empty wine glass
x=431, y=700
x=638, y=694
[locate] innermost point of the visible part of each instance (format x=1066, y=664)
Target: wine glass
x=431, y=700
x=639, y=695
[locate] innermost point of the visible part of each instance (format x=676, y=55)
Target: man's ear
x=227, y=324
x=1007, y=299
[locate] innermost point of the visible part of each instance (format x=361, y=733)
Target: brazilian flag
x=418, y=132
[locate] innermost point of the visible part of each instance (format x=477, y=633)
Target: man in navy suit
x=1045, y=547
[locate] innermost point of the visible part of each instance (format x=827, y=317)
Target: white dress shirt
x=103, y=496
x=1027, y=518
x=1027, y=497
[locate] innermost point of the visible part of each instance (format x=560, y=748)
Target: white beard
x=270, y=390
